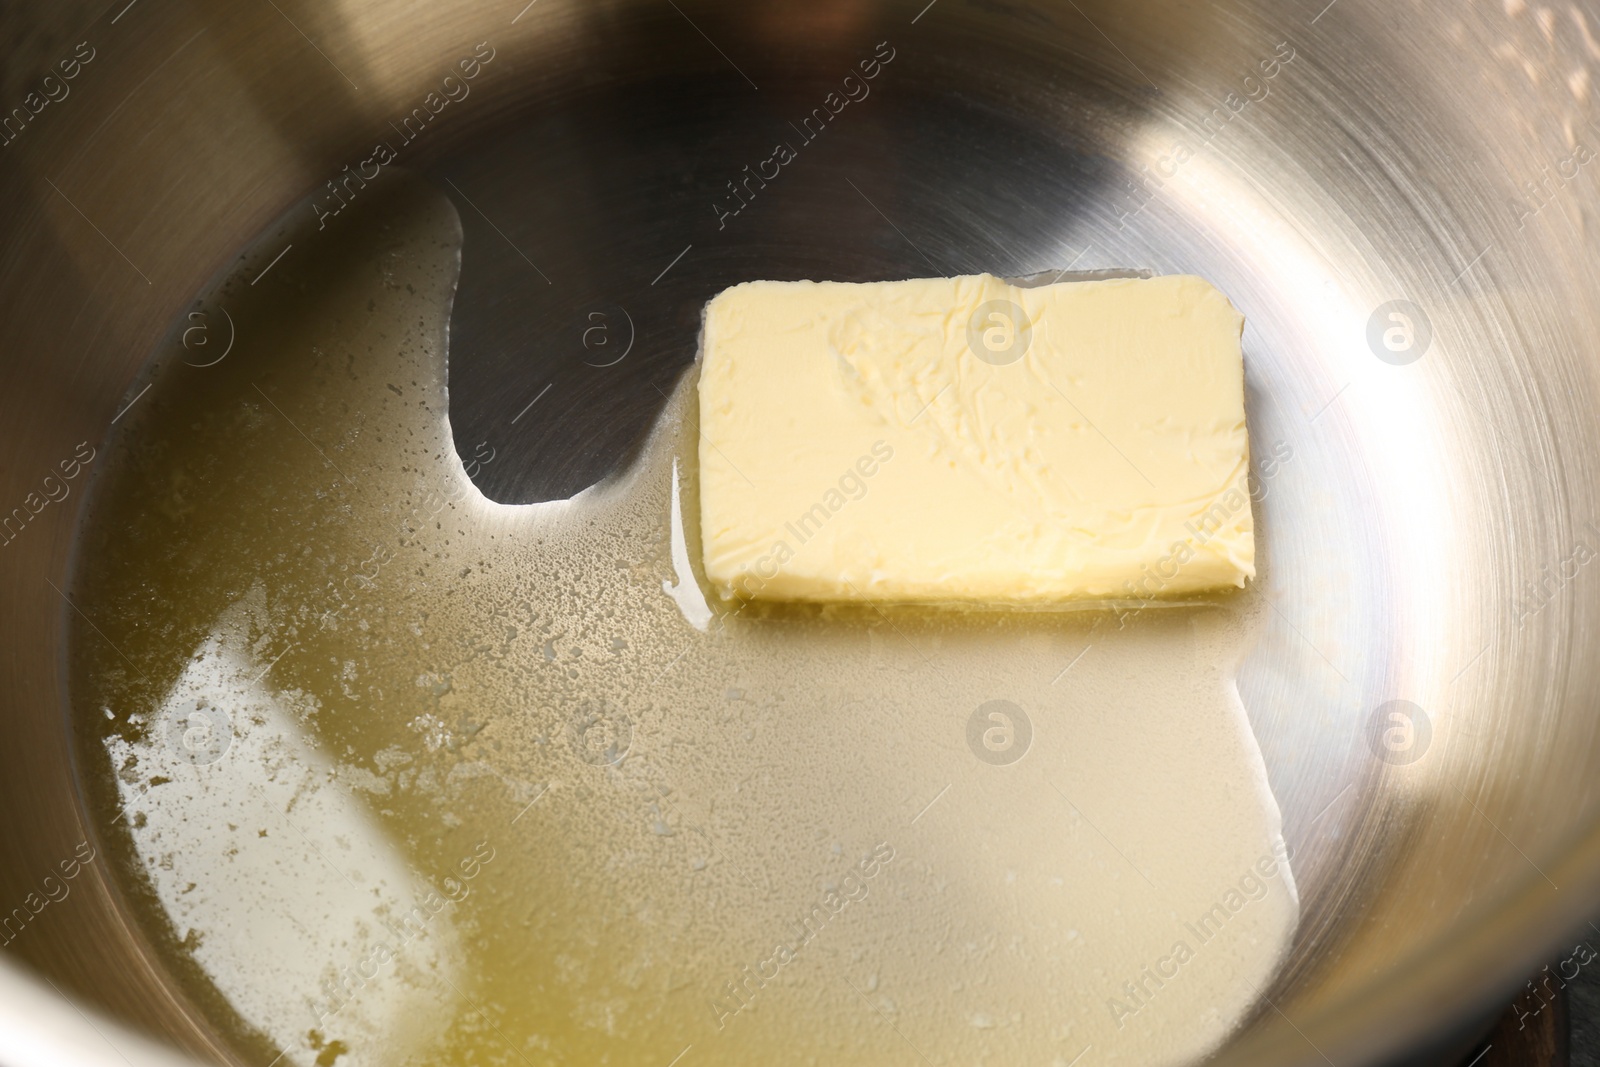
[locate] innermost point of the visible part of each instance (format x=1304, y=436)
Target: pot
x=1400, y=197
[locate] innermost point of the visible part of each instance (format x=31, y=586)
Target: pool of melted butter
x=395, y=774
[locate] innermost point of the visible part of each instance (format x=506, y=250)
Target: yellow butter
x=963, y=439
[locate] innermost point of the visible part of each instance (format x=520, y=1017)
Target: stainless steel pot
x=1401, y=197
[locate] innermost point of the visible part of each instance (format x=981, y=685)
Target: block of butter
x=965, y=440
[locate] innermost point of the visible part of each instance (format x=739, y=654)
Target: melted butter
x=396, y=774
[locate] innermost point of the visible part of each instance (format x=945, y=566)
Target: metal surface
x=1428, y=541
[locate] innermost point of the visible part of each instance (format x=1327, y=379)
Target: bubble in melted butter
x=397, y=774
